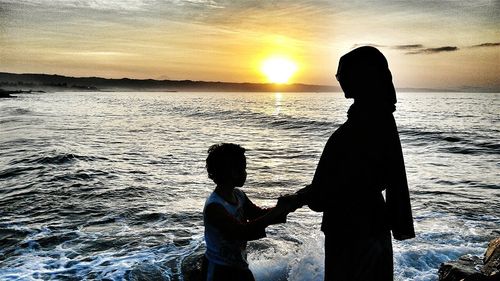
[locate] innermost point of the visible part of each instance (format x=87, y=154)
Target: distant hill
x=47, y=82
x=59, y=82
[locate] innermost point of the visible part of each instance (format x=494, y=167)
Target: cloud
x=203, y=3
x=497, y=44
x=434, y=50
x=106, y=5
x=419, y=49
x=97, y=53
x=368, y=44
x=408, y=47
x=396, y=47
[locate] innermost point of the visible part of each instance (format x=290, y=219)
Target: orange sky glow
x=429, y=44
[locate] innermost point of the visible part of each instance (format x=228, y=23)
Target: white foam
x=292, y=262
x=440, y=238
x=309, y=263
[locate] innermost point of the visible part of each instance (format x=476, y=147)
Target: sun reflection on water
x=278, y=97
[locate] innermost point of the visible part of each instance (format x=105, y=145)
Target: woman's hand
x=289, y=202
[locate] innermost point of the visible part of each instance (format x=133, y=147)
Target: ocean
x=111, y=185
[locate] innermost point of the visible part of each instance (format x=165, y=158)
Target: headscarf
x=364, y=75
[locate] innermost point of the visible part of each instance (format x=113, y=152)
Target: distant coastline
x=8, y=94
x=33, y=82
x=46, y=82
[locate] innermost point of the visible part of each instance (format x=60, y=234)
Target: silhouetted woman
x=362, y=158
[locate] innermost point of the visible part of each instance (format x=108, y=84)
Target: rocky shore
x=473, y=268
x=466, y=268
x=191, y=266
x=8, y=94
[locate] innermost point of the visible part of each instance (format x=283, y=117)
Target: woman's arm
x=312, y=194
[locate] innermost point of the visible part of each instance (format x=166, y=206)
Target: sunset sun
x=278, y=69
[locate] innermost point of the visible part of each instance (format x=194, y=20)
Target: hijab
x=364, y=75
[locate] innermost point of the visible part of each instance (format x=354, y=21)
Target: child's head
x=226, y=164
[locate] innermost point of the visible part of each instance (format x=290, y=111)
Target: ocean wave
x=53, y=240
x=469, y=150
x=10, y=237
x=16, y=171
x=285, y=122
x=468, y=184
x=471, y=144
x=419, y=134
x=125, y=200
x=5, y=121
x=57, y=159
x=291, y=123
x=9, y=114
x=86, y=175
x=147, y=217
x=17, y=111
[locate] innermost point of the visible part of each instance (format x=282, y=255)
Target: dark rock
x=492, y=259
x=8, y=94
x=146, y=272
x=191, y=266
x=473, y=268
x=5, y=94
x=457, y=270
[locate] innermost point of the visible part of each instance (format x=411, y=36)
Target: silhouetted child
x=230, y=218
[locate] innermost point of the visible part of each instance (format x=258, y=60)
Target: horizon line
x=464, y=88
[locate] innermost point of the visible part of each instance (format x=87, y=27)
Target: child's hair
x=221, y=158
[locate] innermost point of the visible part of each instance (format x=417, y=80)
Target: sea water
x=111, y=185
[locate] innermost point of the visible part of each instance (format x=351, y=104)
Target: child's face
x=239, y=173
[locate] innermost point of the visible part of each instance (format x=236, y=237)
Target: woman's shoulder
x=343, y=128
x=341, y=132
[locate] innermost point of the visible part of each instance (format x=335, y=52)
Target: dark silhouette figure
x=230, y=218
x=362, y=158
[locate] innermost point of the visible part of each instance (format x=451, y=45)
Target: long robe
x=362, y=158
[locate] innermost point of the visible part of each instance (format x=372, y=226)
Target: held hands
x=289, y=202
x=286, y=204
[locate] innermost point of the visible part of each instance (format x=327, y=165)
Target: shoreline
x=67, y=83
x=473, y=268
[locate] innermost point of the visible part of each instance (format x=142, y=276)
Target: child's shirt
x=226, y=236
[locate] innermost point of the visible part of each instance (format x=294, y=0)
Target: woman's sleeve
x=398, y=197
x=312, y=195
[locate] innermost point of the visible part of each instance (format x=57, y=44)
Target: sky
x=429, y=43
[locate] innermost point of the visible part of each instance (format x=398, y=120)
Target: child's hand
x=279, y=212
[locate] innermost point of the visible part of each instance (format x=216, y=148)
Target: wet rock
x=473, y=268
x=146, y=272
x=465, y=266
x=5, y=94
x=492, y=259
x=191, y=265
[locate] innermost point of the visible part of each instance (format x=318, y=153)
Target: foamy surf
x=110, y=186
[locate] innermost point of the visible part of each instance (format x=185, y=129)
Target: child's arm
x=233, y=229
x=253, y=212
